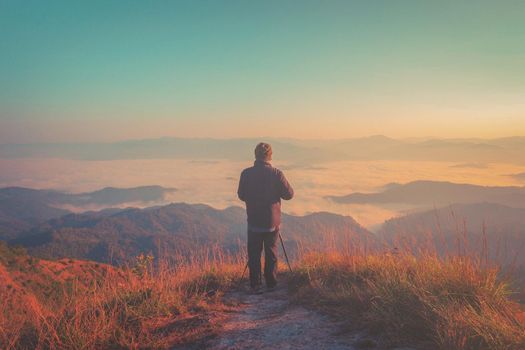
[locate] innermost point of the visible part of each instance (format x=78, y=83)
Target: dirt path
x=270, y=321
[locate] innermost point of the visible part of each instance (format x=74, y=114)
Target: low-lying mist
x=214, y=182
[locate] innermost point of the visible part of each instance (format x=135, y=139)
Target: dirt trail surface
x=270, y=321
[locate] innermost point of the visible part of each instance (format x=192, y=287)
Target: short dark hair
x=263, y=151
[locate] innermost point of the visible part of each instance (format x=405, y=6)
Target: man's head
x=263, y=151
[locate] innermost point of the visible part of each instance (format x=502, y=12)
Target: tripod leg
x=284, y=250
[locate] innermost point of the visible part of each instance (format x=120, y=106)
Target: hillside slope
x=77, y=304
x=493, y=230
x=172, y=230
x=22, y=208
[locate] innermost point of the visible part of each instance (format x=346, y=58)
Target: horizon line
x=275, y=138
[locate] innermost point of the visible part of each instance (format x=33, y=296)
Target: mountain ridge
x=174, y=228
x=22, y=208
x=430, y=193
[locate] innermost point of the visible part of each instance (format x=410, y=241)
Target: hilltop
x=438, y=193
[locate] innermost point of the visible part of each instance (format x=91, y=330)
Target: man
x=262, y=187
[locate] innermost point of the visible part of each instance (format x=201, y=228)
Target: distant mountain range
x=32, y=218
x=236, y=149
x=116, y=196
x=435, y=193
x=37, y=220
x=473, y=151
x=21, y=208
x=467, y=219
x=175, y=229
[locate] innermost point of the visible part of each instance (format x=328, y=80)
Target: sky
x=113, y=70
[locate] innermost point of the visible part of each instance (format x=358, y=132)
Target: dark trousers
x=256, y=242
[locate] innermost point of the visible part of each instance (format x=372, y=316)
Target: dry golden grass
x=142, y=307
x=442, y=303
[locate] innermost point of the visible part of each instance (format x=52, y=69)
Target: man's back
x=262, y=187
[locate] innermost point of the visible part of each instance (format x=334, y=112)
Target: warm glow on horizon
x=276, y=69
x=282, y=70
x=94, y=130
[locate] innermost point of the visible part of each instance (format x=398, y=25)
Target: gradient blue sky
x=111, y=70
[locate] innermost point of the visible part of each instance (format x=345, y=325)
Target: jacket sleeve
x=286, y=190
x=241, y=191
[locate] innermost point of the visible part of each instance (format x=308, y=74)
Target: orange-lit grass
x=442, y=302
x=445, y=303
x=120, y=308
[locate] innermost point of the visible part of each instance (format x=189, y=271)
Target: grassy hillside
x=425, y=301
x=396, y=298
x=496, y=229
x=72, y=304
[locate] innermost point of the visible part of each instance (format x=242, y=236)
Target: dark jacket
x=262, y=187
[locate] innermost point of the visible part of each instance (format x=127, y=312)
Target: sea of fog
x=214, y=182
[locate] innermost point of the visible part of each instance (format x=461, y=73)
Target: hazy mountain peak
x=430, y=193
